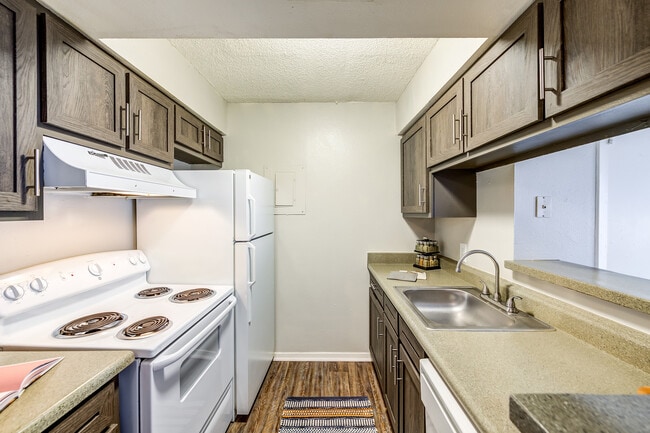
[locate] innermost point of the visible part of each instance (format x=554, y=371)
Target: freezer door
x=254, y=316
x=254, y=205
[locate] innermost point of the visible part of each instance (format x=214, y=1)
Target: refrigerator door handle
x=252, y=277
x=252, y=223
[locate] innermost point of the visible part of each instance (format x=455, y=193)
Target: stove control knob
x=133, y=260
x=142, y=258
x=38, y=284
x=13, y=292
x=95, y=269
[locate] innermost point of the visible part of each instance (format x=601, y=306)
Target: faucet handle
x=485, y=290
x=511, y=308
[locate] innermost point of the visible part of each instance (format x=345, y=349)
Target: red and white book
x=15, y=378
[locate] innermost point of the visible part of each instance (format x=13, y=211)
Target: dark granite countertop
x=580, y=413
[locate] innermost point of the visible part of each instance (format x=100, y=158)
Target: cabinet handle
x=421, y=195
x=379, y=334
x=127, y=115
x=453, y=129
x=37, y=173
x=209, y=139
x=139, y=125
x=464, y=126
x=396, y=377
x=202, y=135
x=123, y=122
x=542, y=74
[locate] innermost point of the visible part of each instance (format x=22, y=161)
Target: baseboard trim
x=323, y=356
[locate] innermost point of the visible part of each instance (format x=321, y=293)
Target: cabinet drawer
x=98, y=414
x=390, y=312
x=376, y=291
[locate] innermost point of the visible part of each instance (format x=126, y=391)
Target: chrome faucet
x=497, y=294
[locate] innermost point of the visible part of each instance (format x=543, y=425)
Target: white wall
x=446, y=57
x=72, y=225
x=350, y=154
x=624, y=235
x=493, y=227
x=569, y=179
x=162, y=63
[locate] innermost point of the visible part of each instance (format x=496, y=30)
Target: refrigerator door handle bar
x=252, y=277
x=251, y=217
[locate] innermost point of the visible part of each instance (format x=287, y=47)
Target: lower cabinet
x=377, y=332
x=411, y=409
x=391, y=390
x=398, y=369
x=98, y=413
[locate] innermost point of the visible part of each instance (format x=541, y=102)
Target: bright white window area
x=588, y=205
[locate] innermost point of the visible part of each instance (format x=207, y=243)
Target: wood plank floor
x=319, y=379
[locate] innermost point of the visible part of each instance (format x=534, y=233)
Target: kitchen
x=287, y=137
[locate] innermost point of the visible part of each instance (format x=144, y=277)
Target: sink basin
x=463, y=309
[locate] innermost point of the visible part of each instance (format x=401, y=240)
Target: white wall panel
x=350, y=154
x=72, y=225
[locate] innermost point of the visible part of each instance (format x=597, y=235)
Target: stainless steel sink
x=463, y=309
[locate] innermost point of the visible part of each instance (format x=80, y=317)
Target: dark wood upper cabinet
x=592, y=47
x=415, y=177
x=444, y=126
x=195, y=134
x=151, y=119
x=82, y=87
x=213, y=147
x=501, y=90
x=19, y=144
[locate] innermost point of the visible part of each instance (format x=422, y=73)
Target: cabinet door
x=188, y=129
x=391, y=390
x=213, y=144
x=592, y=47
x=443, y=126
x=501, y=89
x=411, y=413
x=152, y=117
x=377, y=339
x=19, y=177
x=415, y=179
x=82, y=87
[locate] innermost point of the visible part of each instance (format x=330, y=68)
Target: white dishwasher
x=443, y=412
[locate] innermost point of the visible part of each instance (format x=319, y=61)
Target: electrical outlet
x=543, y=206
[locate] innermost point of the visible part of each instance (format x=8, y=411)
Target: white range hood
x=68, y=167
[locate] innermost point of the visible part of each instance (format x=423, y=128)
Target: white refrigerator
x=224, y=236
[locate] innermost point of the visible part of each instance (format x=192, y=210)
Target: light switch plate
x=543, y=206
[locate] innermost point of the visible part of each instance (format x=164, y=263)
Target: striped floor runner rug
x=327, y=415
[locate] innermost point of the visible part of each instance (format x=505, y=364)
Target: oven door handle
x=164, y=361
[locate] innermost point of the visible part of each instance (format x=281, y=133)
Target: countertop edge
x=68, y=400
x=583, y=279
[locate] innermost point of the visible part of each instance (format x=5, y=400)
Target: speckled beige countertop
x=484, y=368
x=61, y=389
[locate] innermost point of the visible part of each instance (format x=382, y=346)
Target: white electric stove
x=182, y=335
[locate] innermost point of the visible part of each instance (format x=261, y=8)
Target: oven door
x=187, y=387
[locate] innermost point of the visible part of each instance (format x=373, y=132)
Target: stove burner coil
x=153, y=292
x=91, y=324
x=192, y=295
x=146, y=327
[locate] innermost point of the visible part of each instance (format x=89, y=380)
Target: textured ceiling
x=296, y=70
x=289, y=18
x=292, y=50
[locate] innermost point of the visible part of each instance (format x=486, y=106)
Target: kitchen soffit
x=297, y=50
